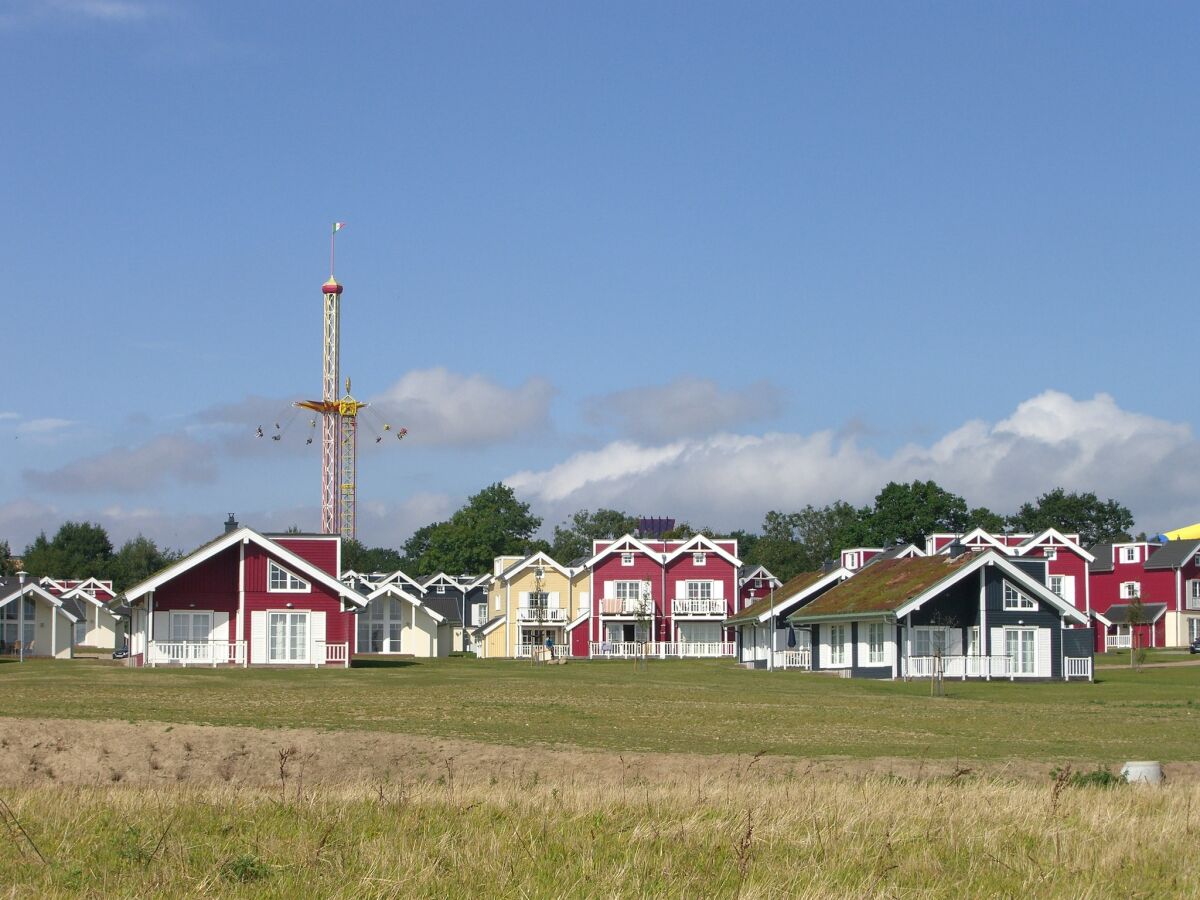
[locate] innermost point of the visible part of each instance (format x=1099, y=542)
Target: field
x=463, y=777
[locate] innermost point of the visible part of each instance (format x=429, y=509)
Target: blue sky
x=694, y=259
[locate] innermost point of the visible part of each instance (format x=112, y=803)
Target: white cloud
x=43, y=426
x=7, y=416
x=1050, y=440
x=449, y=409
x=139, y=468
x=685, y=407
x=33, y=12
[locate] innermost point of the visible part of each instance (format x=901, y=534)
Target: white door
x=287, y=637
x=1021, y=644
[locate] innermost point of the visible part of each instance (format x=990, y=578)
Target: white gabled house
x=35, y=622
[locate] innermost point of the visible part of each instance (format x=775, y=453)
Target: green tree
x=908, y=513
x=1093, y=519
x=573, y=538
x=1135, y=615
x=78, y=550
x=492, y=523
x=137, y=560
x=982, y=517
x=360, y=558
x=7, y=566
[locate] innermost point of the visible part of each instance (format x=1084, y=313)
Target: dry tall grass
x=464, y=834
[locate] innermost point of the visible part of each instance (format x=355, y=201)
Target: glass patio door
x=287, y=637
x=1021, y=647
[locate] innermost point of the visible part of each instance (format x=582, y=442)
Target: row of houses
x=974, y=605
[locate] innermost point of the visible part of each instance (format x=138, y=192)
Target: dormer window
x=1015, y=600
x=851, y=560
x=627, y=559
x=1050, y=553
x=539, y=572
x=1129, y=554
x=281, y=581
x=698, y=558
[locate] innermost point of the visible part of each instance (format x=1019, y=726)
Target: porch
x=214, y=653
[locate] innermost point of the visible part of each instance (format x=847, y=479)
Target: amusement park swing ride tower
x=339, y=419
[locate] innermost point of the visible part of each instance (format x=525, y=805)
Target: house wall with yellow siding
x=568, y=596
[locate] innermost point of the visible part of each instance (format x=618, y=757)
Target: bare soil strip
x=80, y=752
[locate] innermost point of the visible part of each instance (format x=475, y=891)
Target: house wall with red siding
x=1157, y=586
x=212, y=584
x=682, y=568
x=644, y=568
x=321, y=551
x=339, y=625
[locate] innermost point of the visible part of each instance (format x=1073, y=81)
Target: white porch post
x=771, y=625
x=150, y=626
x=21, y=618
x=241, y=629
x=985, y=650
x=54, y=632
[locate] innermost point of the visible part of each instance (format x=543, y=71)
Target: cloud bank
x=731, y=480
x=686, y=407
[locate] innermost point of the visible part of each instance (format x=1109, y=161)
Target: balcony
x=196, y=653
x=690, y=649
x=1118, y=642
x=544, y=615
x=626, y=606
x=698, y=607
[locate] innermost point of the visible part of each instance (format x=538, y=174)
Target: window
x=478, y=614
x=927, y=641
x=191, y=626
x=1131, y=590
x=441, y=588
x=1056, y=584
x=1014, y=599
x=851, y=560
x=1193, y=597
x=287, y=637
x=80, y=633
x=497, y=603
x=627, y=559
x=1129, y=554
x=974, y=648
x=837, y=645
x=1050, y=553
x=1193, y=629
x=539, y=598
x=699, y=590
x=1019, y=645
x=539, y=572
x=875, y=652
x=10, y=616
x=281, y=581
x=698, y=558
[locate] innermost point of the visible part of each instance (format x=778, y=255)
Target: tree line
x=495, y=522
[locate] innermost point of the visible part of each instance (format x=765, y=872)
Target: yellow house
x=532, y=600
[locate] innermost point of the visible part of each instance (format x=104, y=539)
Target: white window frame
x=1050, y=553
x=1131, y=590
x=538, y=599
x=927, y=632
x=851, y=560
x=876, y=643
x=621, y=590
x=300, y=586
x=1193, y=628
x=1062, y=583
x=539, y=572
x=699, y=558
x=974, y=647
x=627, y=559
x=1193, y=597
x=440, y=588
x=1129, y=554
x=1012, y=659
x=292, y=615
x=1015, y=601
x=839, y=657
x=699, y=590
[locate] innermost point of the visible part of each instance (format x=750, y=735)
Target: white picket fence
x=690, y=649
x=956, y=666
x=196, y=653
x=793, y=659
x=331, y=654
x=1078, y=667
x=559, y=651
x=1118, y=641
x=615, y=649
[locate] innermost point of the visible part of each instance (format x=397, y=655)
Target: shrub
x=1100, y=777
x=246, y=867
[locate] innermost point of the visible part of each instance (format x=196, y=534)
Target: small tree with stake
x=538, y=609
x=1135, y=615
x=643, y=618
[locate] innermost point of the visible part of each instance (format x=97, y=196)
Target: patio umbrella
x=791, y=638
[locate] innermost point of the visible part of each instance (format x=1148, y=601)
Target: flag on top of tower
x=338, y=226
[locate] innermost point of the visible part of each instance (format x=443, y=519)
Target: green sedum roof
x=782, y=595
x=883, y=586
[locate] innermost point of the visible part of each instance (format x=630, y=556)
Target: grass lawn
x=674, y=706
x=1121, y=657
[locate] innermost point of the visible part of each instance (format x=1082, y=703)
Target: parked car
x=1194, y=647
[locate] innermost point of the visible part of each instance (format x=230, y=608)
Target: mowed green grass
x=702, y=706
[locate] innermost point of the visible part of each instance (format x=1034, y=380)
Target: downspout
x=771, y=655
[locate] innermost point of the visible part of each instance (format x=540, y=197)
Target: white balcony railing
x=547, y=614
x=1078, y=667
x=698, y=607
x=329, y=654
x=956, y=666
x=690, y=649
x=626, y=606
x=196, y=653
x=558, y=651
x=793, y=659
x=616, y=649
x=1118, y=641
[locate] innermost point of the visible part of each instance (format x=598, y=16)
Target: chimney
x=231, y=524
x=957, y=549
x=828, y=566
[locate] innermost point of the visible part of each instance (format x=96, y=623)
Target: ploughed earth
x=78, y=752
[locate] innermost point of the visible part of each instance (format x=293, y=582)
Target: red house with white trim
x=1164, y=577
x=247, y=599
x=670, y=596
